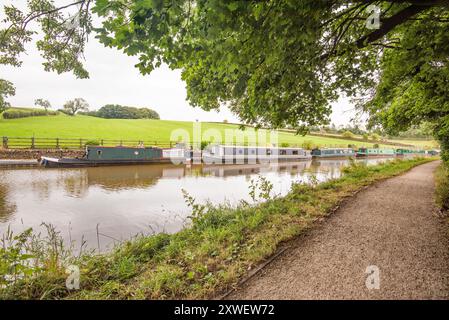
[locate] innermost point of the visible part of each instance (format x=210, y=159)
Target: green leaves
x=274, y=63
x=6, y=89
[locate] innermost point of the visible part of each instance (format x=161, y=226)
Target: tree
x=6, y=89
x=71, y=107
x=43, y=103
x=116, y=111
x=275, y=63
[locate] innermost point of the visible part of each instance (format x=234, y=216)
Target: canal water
x=105, y=205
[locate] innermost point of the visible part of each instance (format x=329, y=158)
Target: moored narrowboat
x=101, y=156
x=405, y=152
x=375, y=152
x=433, y=152
x=333, y=153
x=229, y=154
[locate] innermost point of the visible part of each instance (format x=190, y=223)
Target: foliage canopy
x=277, y=62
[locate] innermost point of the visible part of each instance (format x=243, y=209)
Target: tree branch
x=389, y=24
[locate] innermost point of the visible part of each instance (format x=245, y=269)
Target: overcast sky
x=114, y=79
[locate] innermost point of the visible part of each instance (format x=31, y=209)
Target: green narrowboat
x=404, y=152
x=98, y=156
x=374, y=152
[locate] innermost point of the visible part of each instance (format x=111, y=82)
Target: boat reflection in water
x=127, y=200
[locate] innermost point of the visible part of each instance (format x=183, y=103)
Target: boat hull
x=68, y=163
x=363, y=155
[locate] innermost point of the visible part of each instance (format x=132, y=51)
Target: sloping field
x=86, y=127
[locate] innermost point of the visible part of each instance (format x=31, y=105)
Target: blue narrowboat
x=333, y=153
x=99, y=156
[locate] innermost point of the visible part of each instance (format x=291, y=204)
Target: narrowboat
x=230, y=154
x=101, y=156
x=406, y=152
x=433, y=152
x=333, y=153
x=369, y=152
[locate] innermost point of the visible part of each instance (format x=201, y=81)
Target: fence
x=74, y=143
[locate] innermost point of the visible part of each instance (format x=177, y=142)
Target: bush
x=376, y=146
x=285, y=145
x=365, y=136
x=115, y=111
x=204, y=144
x=375, y=137
x=308, y=145
x=348, y=134
x=442, y=187
x=92, y=143
x=23, y=113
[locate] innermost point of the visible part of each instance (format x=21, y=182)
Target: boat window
x=99, y=152
x=268, y=152
x=295, y=152
x=136, y=153
x=283, y=152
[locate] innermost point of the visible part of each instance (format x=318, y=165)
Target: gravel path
x=392, y=225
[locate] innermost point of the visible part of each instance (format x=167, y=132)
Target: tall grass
x=442, y=186
x=221, y=244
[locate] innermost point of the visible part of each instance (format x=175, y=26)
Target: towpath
x=388, y=236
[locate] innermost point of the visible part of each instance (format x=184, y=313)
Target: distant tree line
x=115, y=111
x=80, y=106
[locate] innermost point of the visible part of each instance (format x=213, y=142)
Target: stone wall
x=36, y=154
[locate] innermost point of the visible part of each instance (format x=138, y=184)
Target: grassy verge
x=219, y=248
x=442, y=186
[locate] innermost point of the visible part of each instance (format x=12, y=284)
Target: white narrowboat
x=229, y=154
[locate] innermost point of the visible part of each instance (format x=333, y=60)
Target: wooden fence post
x=5, y=142
x=102, y=142
x=81, y=143
x=57, y=143
x=32, y=143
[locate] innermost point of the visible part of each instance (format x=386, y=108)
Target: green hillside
x=92, y=128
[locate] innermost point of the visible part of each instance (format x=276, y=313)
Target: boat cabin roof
x=119, y=147
x=258, y=147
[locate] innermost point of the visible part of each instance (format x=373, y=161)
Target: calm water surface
x=127, y=200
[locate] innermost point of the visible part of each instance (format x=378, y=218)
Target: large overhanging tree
x=274, y=62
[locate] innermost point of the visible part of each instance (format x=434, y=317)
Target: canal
x=105, y=205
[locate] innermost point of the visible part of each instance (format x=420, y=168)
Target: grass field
x=92, y=128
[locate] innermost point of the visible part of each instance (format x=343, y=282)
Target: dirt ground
x=389, y=236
